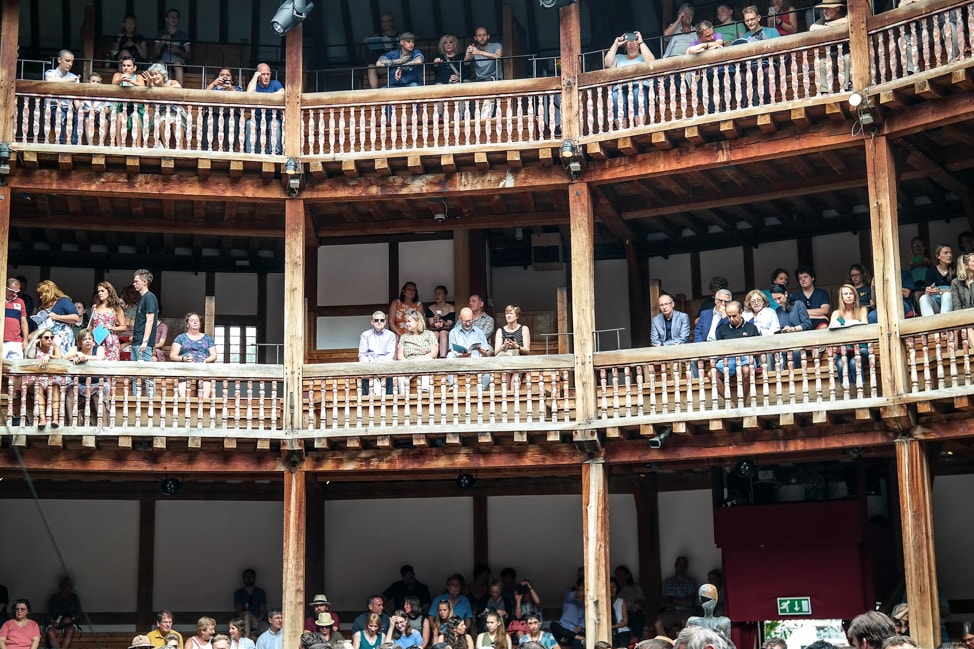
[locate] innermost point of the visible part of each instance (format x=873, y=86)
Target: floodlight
x=291, y=14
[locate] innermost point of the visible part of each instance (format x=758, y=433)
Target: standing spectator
x=376, y=344
x=15, y=330
x=172, y=45
x=129, y=114
x=869, y=630
x=194, y=346
x=729, y=29
x=631, y=93
x=440, y=318
x=63, y=609
x=61, y=314
x=753, y=29
x=65, y=118
x=485, y=56
x=407, y=301
x=130, y=40
x=407, y=62
x=383, y=40
x=481, y=319
x=146, y=317
x=936, y=296
x=107, y=313
x=273, y=637
x=670, y=327
x=816, y=300
x=21, y=632
x=407, y=586
x=249, y=601
x=449, y=66
x=269, y=139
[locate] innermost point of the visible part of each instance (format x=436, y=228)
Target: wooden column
x=481, y=548
x=595, y=534
x=9, y=27
x=859, y=10
x=645, y=492
x=144, y=618
x=881, y=174
x=571, y=49
x=294, y=247
x=919, y=556
x=293, y=600
x=583, y=297
x=294, y=57
x=314, y=553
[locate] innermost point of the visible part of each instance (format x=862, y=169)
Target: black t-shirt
x=148, y=304
x=727, y=332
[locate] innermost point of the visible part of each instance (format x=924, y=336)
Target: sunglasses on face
x=47, y=337
x=378, y=319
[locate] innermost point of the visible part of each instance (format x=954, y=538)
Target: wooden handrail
x=150, y=370
x=937, y=322
x=426, y=93
x=141, y=93
x=440, y=366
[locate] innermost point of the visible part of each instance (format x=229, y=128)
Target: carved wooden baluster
x=938, y=339
x=965, y=338
x=603, y=388
x=925, y=348
x=639, y=390
x=751, y=382
x=793, y=369
x=766, y=382
x=236, y=405
x=250, y=404
x=627, y=377
x=860, y=379
x=62, y=393
x=924, y=42
x=872, y=370
x=567, y=412
x=616, y=401
x=952, y=352
x=664, y=388
x=473, y=385
x=503, y=402
x=9, y=417
x=912, y=362
x=714, y=392
x=677, y=390
x=260, y=406
x=652, y=389
x=700, y=381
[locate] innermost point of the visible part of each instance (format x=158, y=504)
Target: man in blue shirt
x=459, y=603
x=468, y=341
x=406, y=61
x=273, y=637
x=267, y=121
x=570, y=628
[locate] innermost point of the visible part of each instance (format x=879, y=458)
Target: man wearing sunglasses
x=14, y=321
x=375, y=345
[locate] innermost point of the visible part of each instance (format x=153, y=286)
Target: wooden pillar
x=564, y=320
x=144, y=618
x=645, y=492
x=859, y=11
x=583, y=297
x=919, y=556
x=481, y=549
x=314, y=553
x=294, y=312
x=294, y=58
x=571, y=50
x=293, y=600
x=9, y=27
x=881, y=175
x=595, y=534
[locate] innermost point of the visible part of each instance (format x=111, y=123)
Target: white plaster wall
x=612, y=303
x=275, y=308
x=340, y=332
x=356, y=274
x=943, y=232
x=530, y=289
x=953, y=524
x=687, y=518
x=777, y=254
x=426, y=263
x=833, y=255
x=184, y=292
x=203, y=547
x=236, y=294
x=728, y=262
x=98, y=540
x=674, y=273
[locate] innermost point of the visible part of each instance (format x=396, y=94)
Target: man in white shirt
x=377, y=344
x=62, y=111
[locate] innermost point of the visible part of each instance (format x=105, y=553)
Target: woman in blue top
x=193, y=346
x=62, y=314
x=401, y=633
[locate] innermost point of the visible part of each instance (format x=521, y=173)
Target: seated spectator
x=375, y=607
x=717, y=282
x=919, y=263
x=237, y=638
x=224, y=81
x=383, y=40
x=726, y=26
x=481, y=319
x=834, y=15
x=816, y=300
x=220, y=641
x=195, y=346
x=444, y=611
x=620, y=616
x=377, y=344
x=684, y=21
x=407, y=301
x=513, y=339
x=783, y=17
x=20, y=632
x=778, y=276
x=370, y=636
x=416, y=617
x=449, y=66
x=706, y=328
x=327, y=628
x=669, y=327
x=936, y=296
x=635, y=599
x=440, y=318
x=526, y=604
x=406, y=60
x=468, y=341
x=92, y=390
x=535, y=634
x=735, y=327
x=319, y=605
x=172, y=45
x=416, y=344
x=753, y=31
x=757, y=69
x=456, y=636
x=273, y=637
x=628, y=98
x=221, y=126
x=849, y=313
x=262, y=131
x=130, y=114
x=494, y=634
x=707, y=38
x=250, y=600
x=484, y=57
x=158, y=635
x=63, y=610
x=570, y=628
x=860, y=280
x=493, y=601
x=792, y=315
x=965, y=242
x=961, y=291
x=459, y=604
x=129, y=39
x=758, y=313
x=162, y=335
x=408, y=586
x=205, y=630
x=169, y=122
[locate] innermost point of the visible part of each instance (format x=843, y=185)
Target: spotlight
x=441, y=217
x=744, y=468
x=662, y=436
x=292, y=172
x=466, y=481
x=552, y=4
x=571, y=158
x=866, y=117
x=855, y=99
x=4, y=159
x=291, y=14
x=171, y=486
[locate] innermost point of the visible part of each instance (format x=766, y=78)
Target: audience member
x=129, y=114
x=860, y=279
x=678, y=592
x=162, y=335
x=370, y=635
x=620, y=616
x=130, y=40
x=456, y=635
x=535, y=634
x=157, y=76
x=319, y=605
x=163, y=628
x=273, y=637
x=220, y=641
x=15, y=328
x=834, y=15
x=570, y=628
x=467, y=341
x=172, y=45
x=684, y=21
x=107, y=314
x=792, y=315
x=717, y=282
x=224, y=81
x=444, y=611
x=416, y=616
x=758, y=313
x=90, y=112
x=849, y=313
x=513, y=339
x=493, y=601
x=735, y=327
x=526, y=603
x=481, y=319
x=146, y=317
x=707, y=38
x=449, y=66
x=406, y=60
x=41, y=347
x=729, y=29
x=61, y=313
x=901, y=620
x=936, y=296
x=384, y=40
x=416, y=344
x=262, y=131
x=195, y=346
x=484, y=56
x=375, y=607
x=376, y=344
x=64, y=607
x=66, y=119
x=869, y=630
x=237, y=638
x=326, y=625
x=440, y=318
x=816, y=300
x=459, y=604
x=919, y=263
x=407, y=301
x=753, y=29
x=965, y=242
x=669, y=327
x=401, y=633
x=775, y=642
x=140, y=642
x=783, y=17
x=407, y=586
x=906, y=642
x=961, y=290
x=706, y=328
x=967, y=634
x=778, y=276
x=205, y=630
x=494, y=634
x=635, y=599
x=628, y=99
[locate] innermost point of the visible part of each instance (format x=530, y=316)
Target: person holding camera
x=628, y=98
x=224, y=81
x=526, y=604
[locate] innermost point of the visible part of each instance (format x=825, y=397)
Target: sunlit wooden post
x=9, y=26
x=595, y=535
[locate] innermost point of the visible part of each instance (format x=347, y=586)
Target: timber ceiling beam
x=329, y=230
x=929, y=115
x=42, y=460
x=123, y=223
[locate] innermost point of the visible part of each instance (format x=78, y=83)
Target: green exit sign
x=794, y=606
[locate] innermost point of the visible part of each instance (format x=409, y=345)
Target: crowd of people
x=115, y=327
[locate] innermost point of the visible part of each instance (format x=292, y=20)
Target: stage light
x=171, y=486
x=291, y=14
x=553, y=4
x=293, y=174
x=4, y=159
x=466, y=481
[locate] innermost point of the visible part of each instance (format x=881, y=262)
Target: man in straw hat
x=141, y=642
x=319, y=605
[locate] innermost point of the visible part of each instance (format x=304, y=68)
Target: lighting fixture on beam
x=859, y=101
x=657, y=440
x=293, y=176
x=4, y=160
x=571, y=158
x=554, y=4
x=441, y=217
x=466, y=481
x=291, y=14
x=171, y=486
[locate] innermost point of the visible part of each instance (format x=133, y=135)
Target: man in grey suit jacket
x=670, y=327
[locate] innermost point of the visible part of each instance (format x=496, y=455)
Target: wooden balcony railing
x=938, y=354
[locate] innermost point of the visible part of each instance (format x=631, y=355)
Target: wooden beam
x=595, y=544
x=294, y=546
x=481, y=531
x=919, y=552
x=645, y=492
x=570, y=26
x=583, y=298
x=147, y=555
x=294, y=62
x=10, y=28
x=294, y=309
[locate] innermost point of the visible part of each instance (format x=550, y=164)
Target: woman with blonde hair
x=42, y=347
x=416, y=343
x=62, y=314
x=756, y=311
x=205, y=630
x=848, y=314
x=513, y=339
